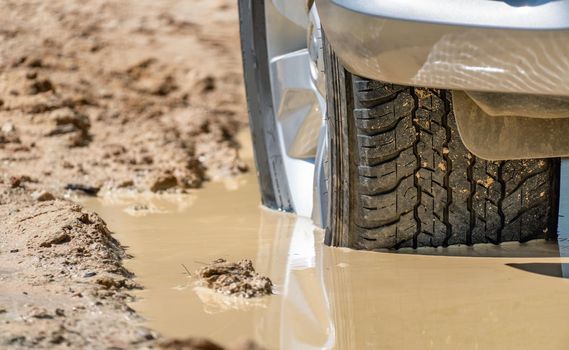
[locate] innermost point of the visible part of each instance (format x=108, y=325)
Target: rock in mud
x=8, y=133
x=40, y=313
x=39, y=86
x=33, y=62
x=189, y=344
x=42, y=196
x=67, y=120
x=205, y=85
x=166, y=86
x=125, y=184
x=236, y=279
x=87, y=189
x=72, y=124
x=59, y=238
x=17, y=181
x=247, y=345
x=163, y=182
x=110, y=283
x=203, y=344
x=31, y=75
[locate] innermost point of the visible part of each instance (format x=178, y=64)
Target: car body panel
x=499, y=14
x=478, y=45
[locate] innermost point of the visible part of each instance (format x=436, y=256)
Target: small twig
x=188, y=271
x=200, y=262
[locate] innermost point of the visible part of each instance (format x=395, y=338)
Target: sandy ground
x=99, y=97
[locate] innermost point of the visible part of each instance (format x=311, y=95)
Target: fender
x=501, y=46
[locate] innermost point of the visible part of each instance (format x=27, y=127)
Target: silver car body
x=482, y=45
x=515, y=48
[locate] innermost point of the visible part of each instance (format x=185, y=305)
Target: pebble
x=163, y=182
x=43, y=196
x=90, y=190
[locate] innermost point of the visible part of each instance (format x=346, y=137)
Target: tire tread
x=417, y=184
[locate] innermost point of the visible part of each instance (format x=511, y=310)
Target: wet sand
x=96, y=97
x=486, y=297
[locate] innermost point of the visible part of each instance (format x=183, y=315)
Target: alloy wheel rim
x=295, y=53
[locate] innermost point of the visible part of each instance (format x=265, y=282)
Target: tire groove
x=470, y=201
x=446, y=179
x=388, y=190
x=417, y=168
x=501, y=202
x=388, y=158
x=526, y=178
x=381, y=131
x=526, y=210
x=378, y=101
x=388, y=222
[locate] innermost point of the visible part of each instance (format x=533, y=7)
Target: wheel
x=286, y=104
x=269, y=163
x=386, y=164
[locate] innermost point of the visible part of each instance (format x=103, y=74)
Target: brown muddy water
x=485, y=297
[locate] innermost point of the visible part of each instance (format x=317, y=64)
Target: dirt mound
x=237, y=279
x=62, y=277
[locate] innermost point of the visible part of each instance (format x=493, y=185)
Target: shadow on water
x=546, y=269
x=535, y=249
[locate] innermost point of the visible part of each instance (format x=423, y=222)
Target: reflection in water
x=302, y=319
x=484, y=297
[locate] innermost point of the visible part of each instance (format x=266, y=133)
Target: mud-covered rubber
x=401, y=177
x=269, y=160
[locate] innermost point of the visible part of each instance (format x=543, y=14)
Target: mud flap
x=509, y=137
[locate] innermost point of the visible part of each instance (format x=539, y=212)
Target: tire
x=269, y=160
x=394, y=172
x=401, y=177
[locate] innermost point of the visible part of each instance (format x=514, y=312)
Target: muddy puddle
x=486, y=297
